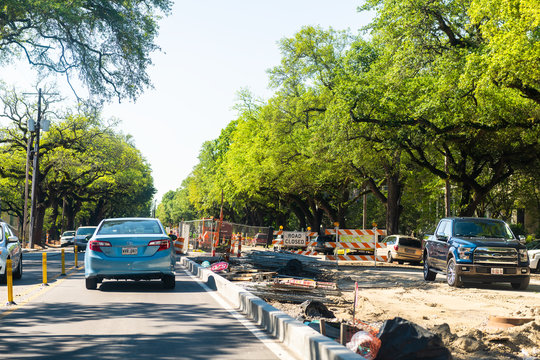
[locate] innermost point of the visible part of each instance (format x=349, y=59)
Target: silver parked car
x=533, y=249
x=67, y=238
x=10, y=248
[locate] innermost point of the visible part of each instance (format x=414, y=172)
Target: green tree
x=84, y=165
x=107, y=43
x=434, y=103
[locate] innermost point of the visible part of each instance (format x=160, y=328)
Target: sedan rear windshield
x=412, y=242
x=124, y=227
x=85, y=231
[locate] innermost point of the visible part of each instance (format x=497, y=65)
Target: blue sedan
x=130, y=248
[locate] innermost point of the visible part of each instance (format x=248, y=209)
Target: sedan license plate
x=129, y=251
x=496, y=271
x=410, y=251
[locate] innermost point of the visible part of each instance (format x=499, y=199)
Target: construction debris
x=284, y=262
x=316, y=309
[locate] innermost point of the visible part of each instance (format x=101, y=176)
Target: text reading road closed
x=294, y=238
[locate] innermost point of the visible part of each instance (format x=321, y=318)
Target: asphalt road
x=126, y=319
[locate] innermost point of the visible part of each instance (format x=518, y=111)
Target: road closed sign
x=294, y=238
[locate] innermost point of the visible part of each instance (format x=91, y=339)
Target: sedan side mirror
x=12, y=239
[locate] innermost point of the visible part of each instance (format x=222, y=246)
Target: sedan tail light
x=396, y=247
x=163, y=244
x=96, y=245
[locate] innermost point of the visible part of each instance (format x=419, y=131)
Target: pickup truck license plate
x=496, y=271
x=129, y=251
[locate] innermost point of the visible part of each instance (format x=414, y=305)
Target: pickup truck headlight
x=465, y=252
x=523, y=257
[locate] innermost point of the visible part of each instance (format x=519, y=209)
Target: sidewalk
x=48, y=246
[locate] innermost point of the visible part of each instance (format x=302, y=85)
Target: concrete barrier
x=302, y=341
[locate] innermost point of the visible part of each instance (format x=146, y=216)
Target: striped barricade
x=354, y=245
x=355, y=232
x=179, y=246
x=304, y=252
x=355, y=258
x=236, y=245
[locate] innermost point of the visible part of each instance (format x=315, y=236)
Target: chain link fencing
x=207, y=235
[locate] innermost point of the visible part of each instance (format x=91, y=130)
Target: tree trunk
x=53, y=231
x=37, y=235
x=393, y=204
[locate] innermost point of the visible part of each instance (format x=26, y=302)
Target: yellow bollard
x=63, y=264
x=76, y=255
x=45, y=270
x=9, y=280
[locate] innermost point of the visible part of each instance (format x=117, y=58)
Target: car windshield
x=482, y=228
x=412, y=242
x=68, y=233
x=533, y=245
x=124, y=227
x=85, y=231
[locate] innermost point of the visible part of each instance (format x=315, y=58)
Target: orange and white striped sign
x=353, y=245
x=310, y=233
x=353, y=232
x=179, y=246
x=304, y=252
x=355, y=258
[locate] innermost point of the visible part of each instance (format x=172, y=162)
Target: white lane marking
x=270, y=343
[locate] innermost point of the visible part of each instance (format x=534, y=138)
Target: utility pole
x=35, y=175
x=35, y=172
x=25, y=210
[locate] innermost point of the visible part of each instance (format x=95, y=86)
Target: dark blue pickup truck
x=476, y=250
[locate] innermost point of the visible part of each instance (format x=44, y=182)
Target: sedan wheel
x=168, y=281
x=452, y=278
x=91, y=283
x=17, y=274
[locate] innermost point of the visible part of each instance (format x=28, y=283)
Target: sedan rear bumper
x=103, y=267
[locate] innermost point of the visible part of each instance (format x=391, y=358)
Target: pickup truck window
x=444, y=229
x=482, y=228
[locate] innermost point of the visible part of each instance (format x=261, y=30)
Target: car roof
x=472, y=218
x=131, y=218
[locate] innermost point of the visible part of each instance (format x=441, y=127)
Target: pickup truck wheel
x=521, y=285
x=390, y=259
x=428, y=274
x=452, y=278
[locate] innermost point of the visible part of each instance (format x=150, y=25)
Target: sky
x=211, y=49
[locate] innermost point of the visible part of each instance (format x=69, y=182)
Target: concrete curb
x=301, y=340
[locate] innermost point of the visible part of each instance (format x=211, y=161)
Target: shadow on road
x=192, y=332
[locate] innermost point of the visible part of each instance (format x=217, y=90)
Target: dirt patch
x=459, y=315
